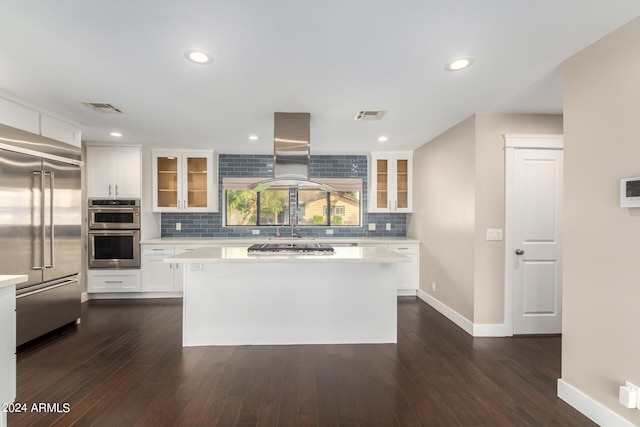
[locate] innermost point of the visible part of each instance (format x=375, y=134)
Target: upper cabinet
x=185, y=181
x=28, y=119
x=391, y=181
x=113, y=171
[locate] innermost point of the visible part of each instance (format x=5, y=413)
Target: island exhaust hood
x=291, y=155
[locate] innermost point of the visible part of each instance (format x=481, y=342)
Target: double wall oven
x=114, y=233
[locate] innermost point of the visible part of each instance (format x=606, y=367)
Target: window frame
x=340, y=184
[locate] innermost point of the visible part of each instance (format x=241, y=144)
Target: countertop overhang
x=8, y=280
x=239, y=254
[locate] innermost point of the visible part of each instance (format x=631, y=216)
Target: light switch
x=494, y=233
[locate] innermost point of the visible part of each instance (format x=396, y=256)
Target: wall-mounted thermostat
x=630, y=192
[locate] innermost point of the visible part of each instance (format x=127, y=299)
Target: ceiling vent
x=369, y=115
x=102, y=107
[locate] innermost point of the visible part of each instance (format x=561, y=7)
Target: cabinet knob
x=519, y=252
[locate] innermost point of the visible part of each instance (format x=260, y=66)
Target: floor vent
x=102, y=107
x=369, y=115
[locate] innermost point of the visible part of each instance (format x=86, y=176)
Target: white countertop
x=263, y=239
x=239, y=254
x=8, y=280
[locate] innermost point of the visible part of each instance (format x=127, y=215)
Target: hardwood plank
x=125, y=365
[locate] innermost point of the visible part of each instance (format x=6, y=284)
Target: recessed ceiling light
x=460, y=63
x=383, y=138
x=116, y=134
x=198, y=56
x=252, y=137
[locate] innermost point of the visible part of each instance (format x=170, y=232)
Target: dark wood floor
x=124, y=366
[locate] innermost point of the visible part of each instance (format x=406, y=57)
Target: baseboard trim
x=134, y=295
x=488, y=330
x=447, y=312
x=595, y=411
x=475, y=330
x=407, y=292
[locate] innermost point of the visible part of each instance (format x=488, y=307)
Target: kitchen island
x=232, y=297
x=8, y=341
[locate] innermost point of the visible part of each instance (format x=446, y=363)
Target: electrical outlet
x=372, y=227
x=637, y=391
x=329, y=231
x=433, y=286
x=178, y=226
x=388, y=226
x=255, y=232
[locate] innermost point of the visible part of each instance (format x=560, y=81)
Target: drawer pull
x=113, y=281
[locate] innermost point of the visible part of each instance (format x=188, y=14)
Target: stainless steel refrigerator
x=40, y=229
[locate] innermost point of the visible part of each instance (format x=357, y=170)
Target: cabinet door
x=408, y=273
x=380, y=183
x=167, y=196
x=197, y=182
x=59, y=130
x=127, y=172
x=99, y=171
x=156, y=275
x=403, y=183
x=18, y=116
x=113, y=281
x=383, y=180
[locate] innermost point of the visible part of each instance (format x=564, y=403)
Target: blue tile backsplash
x=234, y=165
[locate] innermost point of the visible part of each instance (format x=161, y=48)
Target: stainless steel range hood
x=291, y=155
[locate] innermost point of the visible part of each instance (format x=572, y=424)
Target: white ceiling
x=330, y=58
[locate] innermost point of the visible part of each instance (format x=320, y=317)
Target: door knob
x=519, y=252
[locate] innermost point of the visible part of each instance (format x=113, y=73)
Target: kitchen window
x=342, y=207
x=253, y=208
x=336, y=208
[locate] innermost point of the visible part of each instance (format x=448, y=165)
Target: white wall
x=601, y=311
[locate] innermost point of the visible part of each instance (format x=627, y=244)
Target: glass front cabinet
x=391, y=182
x=185, y=181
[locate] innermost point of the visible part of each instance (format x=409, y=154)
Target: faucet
x=294, y=224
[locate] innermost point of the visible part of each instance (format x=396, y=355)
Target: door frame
x=513, y=142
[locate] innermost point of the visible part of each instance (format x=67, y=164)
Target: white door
x=534, y=247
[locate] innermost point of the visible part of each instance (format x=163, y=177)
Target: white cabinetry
x=60, y=131
x=28, y=119
x=113, y=172
x=100, y=281
x=7, y=348
x=185, y=181
x=158, y=276
x=408, y=273
x=391, y=181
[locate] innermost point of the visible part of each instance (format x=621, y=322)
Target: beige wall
x=489, y=182
x=459, y=182
x=601, y=319
x=443, y=215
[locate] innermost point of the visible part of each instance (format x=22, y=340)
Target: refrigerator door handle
x=51, y=225
x=42, y=230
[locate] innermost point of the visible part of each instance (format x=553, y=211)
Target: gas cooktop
x=290, y=248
